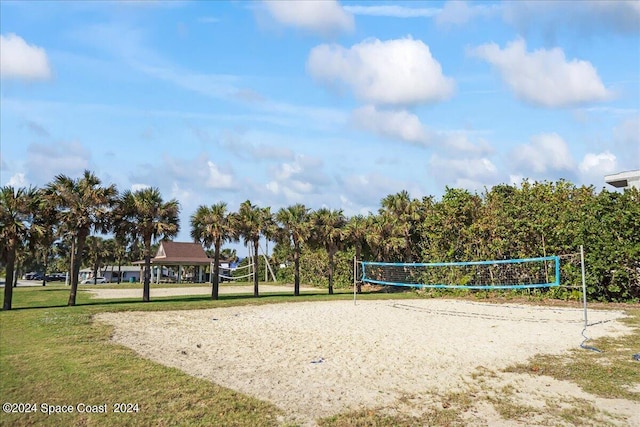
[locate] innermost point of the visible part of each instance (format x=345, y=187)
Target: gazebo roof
x=181, y=253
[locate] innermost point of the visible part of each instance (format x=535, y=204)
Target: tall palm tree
x=213, y=226
x=252, y=222
x=328, y=232
x=404, y=212
x=83, y=205
x=146, y=217
x=356, y=232
x=17, y=210
x=47, y=220
x=296, y=228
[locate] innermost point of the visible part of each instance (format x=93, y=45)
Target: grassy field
x=55, y=358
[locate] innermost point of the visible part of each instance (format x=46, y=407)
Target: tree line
x=504, y=222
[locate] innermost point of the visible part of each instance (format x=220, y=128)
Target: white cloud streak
x=393, y=11
x=325, y=17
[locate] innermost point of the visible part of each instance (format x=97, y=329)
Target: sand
x=316, y=359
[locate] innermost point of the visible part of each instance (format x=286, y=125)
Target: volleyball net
x=542, y=272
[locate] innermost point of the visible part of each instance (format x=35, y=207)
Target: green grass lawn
x=51, y=354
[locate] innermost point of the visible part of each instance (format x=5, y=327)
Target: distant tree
x=97, y=252
x=229, y=254
x=146, y=217
x=83, y=206
x=328, y=232
x=17, y=210
x=213, y=226
x=296, y=227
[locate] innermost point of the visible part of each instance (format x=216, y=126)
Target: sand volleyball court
x=315, y=359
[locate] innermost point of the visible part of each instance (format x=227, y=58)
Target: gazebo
x=179, y=254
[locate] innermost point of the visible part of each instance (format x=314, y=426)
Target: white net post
x=355, y=278
x=584, y=284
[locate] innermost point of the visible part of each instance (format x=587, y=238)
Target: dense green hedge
x=530, y=220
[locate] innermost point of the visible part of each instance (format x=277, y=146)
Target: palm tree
x=252, y=222
x=47, y=220
x=328, y=232
x=294, y=222
x=405, y=214
x=213, y=226
x=17, y=210
x=356, y=232
x=83, y=205
x=145, y=216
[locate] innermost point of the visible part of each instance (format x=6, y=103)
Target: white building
x=626, y=179
x=128, y=273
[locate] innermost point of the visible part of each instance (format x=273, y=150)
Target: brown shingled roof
x=180, y=253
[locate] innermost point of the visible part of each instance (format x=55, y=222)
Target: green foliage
x=314, y=268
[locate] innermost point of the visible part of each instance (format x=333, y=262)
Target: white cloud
x=20, y=60
x=393, y=11
x=216, y=178
x=298, y=179
x=628, y=132
x=466, y=172
x=544, y=77
x=458, y=141
x=325, y=17
x=392, y=124
x=599, y=165
x=18, y=180
x=581, y=17
x=546, y=152
x=45, y=161
x=138, y=187
x=393, y=72
x=460, y=12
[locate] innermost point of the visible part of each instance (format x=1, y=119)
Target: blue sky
x=330, y=104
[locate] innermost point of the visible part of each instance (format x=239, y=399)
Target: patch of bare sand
x=315, y=359
x=188, y=290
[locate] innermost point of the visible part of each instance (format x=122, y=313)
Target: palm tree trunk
x=16, y=273
x=255, y=268
x=296, y=270
x=8, y=284
x=45, y=266
x=216, y=270
x=147, y=269
x=82, y=236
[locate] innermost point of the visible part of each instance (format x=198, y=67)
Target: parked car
x=56, y=277
x=33, y=276
x=92, y=281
